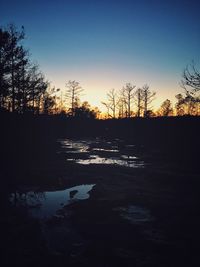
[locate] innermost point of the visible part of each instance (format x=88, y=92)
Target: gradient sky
x=105, y=44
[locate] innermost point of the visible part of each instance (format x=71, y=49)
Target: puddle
x=111, y=161
x=135, y=214
x=72, y=146
x=105, y=150
x=127, y=157
x=44, y=205
x=99, y=152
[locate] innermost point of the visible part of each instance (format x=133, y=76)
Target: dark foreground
x=135, y=216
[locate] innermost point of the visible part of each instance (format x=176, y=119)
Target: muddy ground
x=146, y=216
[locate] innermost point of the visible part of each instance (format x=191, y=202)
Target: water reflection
x=95, y=159
x=72, y=146
x=105, y=150
x=101, y=152
x=46, y=204
x=31, y=198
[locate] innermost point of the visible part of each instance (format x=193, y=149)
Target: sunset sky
x=105, y=44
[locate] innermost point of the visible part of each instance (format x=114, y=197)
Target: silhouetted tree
x=16, y=55
x=138, y=99
x=166, y=108
x=180, y=105
x=187, y=105
x=191, y=78
x=97, y=112
x=112, y=100
x=107, y=105
x=150, y=113
x=191, y=85
x=121, y=107
x=4, y=70
x=12, y=57
x=36, y=88
x=72, y=94
x=50, y=100
x=22, y=84
x=60, y=103
x=122, y=104
x=128, y=95
x=85, y=111
x=147, y=96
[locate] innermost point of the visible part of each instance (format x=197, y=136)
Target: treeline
x=131, y=101
x=24, y=89
x=120, y=103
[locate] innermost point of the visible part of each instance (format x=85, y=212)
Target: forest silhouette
x=142, y=213
x=24, y=89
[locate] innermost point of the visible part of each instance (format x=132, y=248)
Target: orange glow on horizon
x=97, y=82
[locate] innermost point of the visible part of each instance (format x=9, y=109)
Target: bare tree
x=191, y=85
x=73, y=93
x=148, y=96
x=121, y=107
x=122, y=104
x=138, y=99
x=128, y=95
x=112, y=100
x=107, y=106
x=191, y=78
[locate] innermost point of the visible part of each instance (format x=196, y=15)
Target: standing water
x=45, y=205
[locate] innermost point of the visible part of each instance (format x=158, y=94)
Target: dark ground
x=96, y=231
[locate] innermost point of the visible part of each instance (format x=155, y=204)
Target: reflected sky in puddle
x=101, y=152
x=105, y=150
x=112, y=161
x=46, y=204
x=127, y=157
x=72, y=146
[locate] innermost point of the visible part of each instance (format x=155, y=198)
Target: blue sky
x=104, y=44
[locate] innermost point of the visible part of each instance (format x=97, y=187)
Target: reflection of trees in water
x=30, y=199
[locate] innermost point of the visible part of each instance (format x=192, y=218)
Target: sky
x=106, y=44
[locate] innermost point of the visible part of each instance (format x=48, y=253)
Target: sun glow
x=97, y=82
